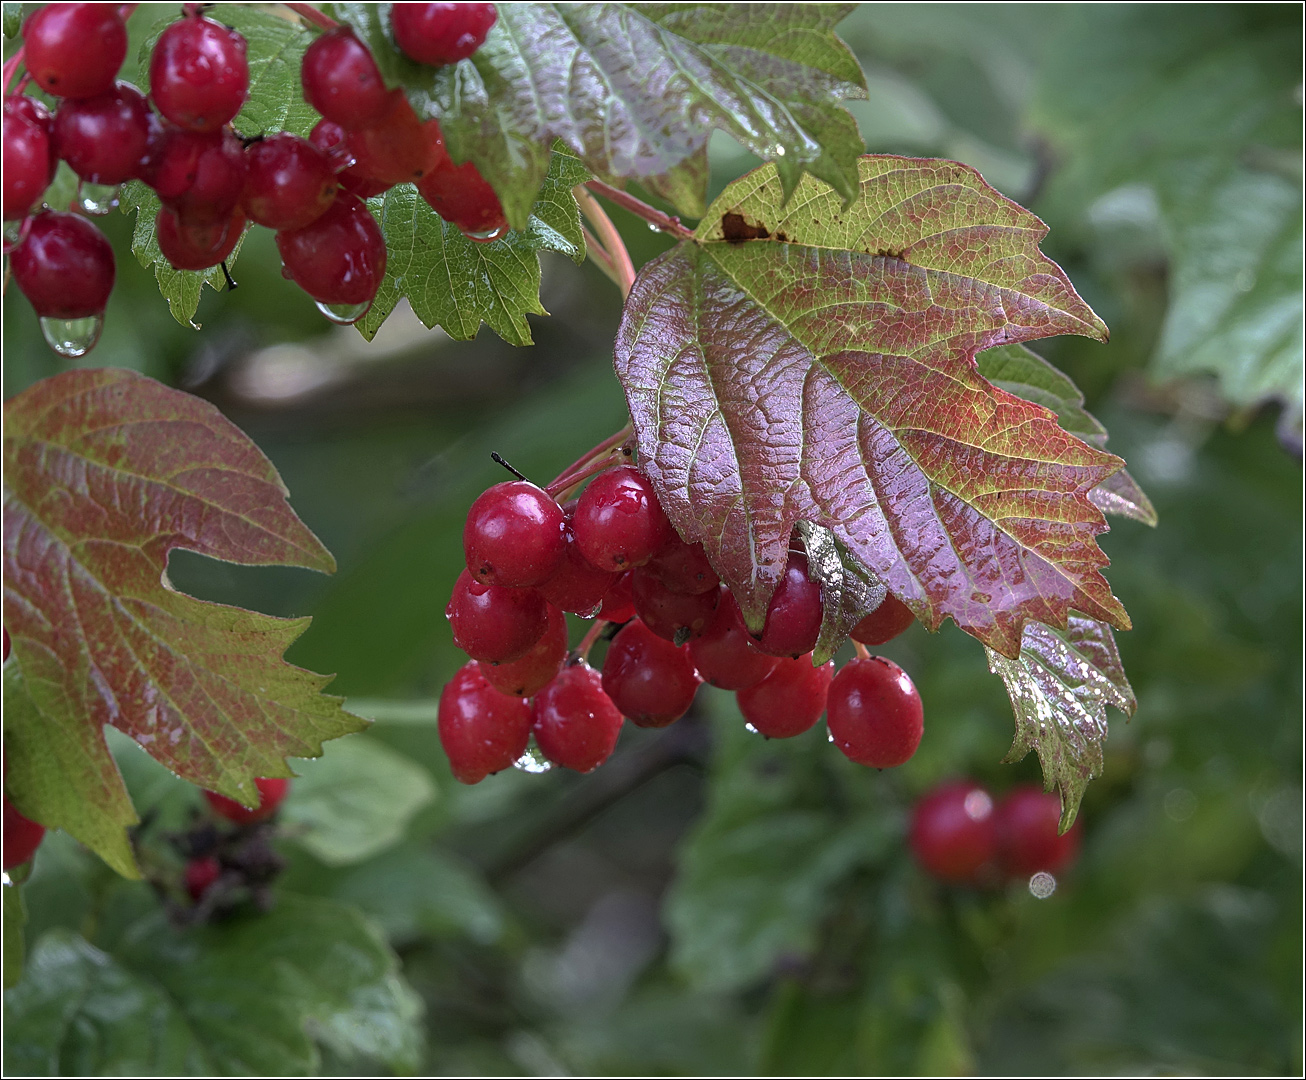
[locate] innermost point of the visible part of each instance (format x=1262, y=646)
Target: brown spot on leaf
x=736, y=229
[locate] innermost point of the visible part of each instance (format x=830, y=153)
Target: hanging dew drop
x=97, y=199
x=750, y=729
x=533, y=762
x=72, y=337
x=344, y=314
x=487, y=236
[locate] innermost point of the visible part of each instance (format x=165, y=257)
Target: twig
x=310, y=14
x=609, y=237
x=601, y=258
x=663, y=222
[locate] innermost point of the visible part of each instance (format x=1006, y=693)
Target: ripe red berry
x=537, y=668
x=199, y=74
x=200, y=875
x=342, y=81
x=196, y=247
x=463, y=197
x=651, y=681
x=65, y=267
x=576, y=725
x=515, y=534
x=29, y=158
x=398, y=148
x=671, y=615
x=482, y=730
x=199, y=176
x=619, y=523
x=618, y=603
x=683, y=568
x=75, y=50
x=22, y=836
x=441, y=33
x=495, y=623
x=576, y=585
x=333, y=140
x=952, y=833
x=104, y=138
x=271, y=791
x=289, y=183
x=724, y=653
x=874, y=713
x=340, y=257
x=793, y=618
x=885, y=623
x=1026, y=821
x=789, y=700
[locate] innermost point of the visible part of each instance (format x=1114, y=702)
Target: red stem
x=663, y=222
x=863, y=653
x=310, y=14
x=610, y=239
x=11, y=65
x=591, y=636
x=589, y=463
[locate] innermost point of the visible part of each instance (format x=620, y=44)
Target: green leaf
x=106, y=472
x=849, y=592
x=815, y=364
x=355, y=800
x=12, y=19
x=251, y=996
x=275, y=39
x=635, y=91
x=459, y=283
x=1060, y=686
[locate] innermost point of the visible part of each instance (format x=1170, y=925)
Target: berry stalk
x=660, y=221
x=609, y=238
x=591, y=462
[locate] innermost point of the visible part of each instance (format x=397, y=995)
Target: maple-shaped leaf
x=105, y=473
x=804, y=361
x=635, y=91
x=1060, y=686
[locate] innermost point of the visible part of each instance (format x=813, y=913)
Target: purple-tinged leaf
x=849, y=592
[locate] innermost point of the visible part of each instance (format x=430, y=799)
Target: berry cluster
x=612, y=555
x=960, y=836
x=211, y=180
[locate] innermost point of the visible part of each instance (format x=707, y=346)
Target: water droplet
x=750, y=729
x=533, y=762
x=486, y=236
x=829, y=736
x=653, y=228
x=1042, y=885
x=97, y=199
x=344, y=313
x=977, y=804
x=72, y=337
x=778, y=150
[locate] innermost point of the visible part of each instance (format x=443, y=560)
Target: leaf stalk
x=609, y=239
x=660, y=221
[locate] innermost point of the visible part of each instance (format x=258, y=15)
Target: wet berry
x=618, y=603
x=481, y=729
x=885, y=623
x=196, y=247
x=724, y=653
x=619, y=523
x=683, y=568
x=514, y=535
x=441, y=33
x=537, y=668
x=289, y=182
x=463, y=197
x=199, y=176
x=341, y=80
x=495, y=623
x=271, y=791
x=199, y=74
x=398, y=148
x=575, y=723
x=793, y=617
x=577, y=585
x=29, y=158
x=333, y=140
x=75, y=50
x=953, y=835
x=65, y=267
x=789, y=700
x=651, y=681
x=874, y=713
x=674, y=616
x=22, y=836
x=340, y=257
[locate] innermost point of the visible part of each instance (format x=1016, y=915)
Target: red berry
x=22, y=836
x=651, y=681
x=789, y=700
x=104, y=138
x=575, y=723
x=333, y=141
x=952, y=833
x=289, y=183
x=495, y=623
x=340, y=257
x=341, y=80
x=885, y=623
x=576, y=585
x=64, y=267
x=619, y=522
x=671, y=615
x=724, y=653
x=874, y=713
x=75, y=50
x=618, y=603
x=515, y=534
x=537, y=668
x=398, y=148
x=793, y=618
x=463, y=197
x=196, y=247
x=482, y=730
x=1026, y=821
x=29, y=158
x=199, y=74
x=683, y=568
x=441, y=33
x=201, y=874
x=271, y=791
x=199, y=176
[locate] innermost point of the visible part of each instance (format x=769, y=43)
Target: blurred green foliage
x=710, y=902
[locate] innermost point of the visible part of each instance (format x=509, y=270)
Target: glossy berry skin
x=535, y=670
x=1026, y=821
x=75, y=50
x=577, y=586
x=619, y=522
x=199, y=176
x=724, y=653
x=953, y=835
x=482, y=730
x=683, y=568
x=399, y=148
x=271, y=790
x=196, y=247
x=651, y=681
x=515, y=534
x=199, y=74
x=885, y=623
x=29, y=159
x=575, y=723
x=340, y=257
x=333, y=141
x=65, y=267
x=874, y=713
x=104, y=138
x=793, y=618
x=494, y=623
x=289, y=183
x=342, y=81
x=671, y=615
x=200, y=875
x=22, y=836
x=618, y=603
x=790, y=700
x=463, y=197
x=441, y=33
